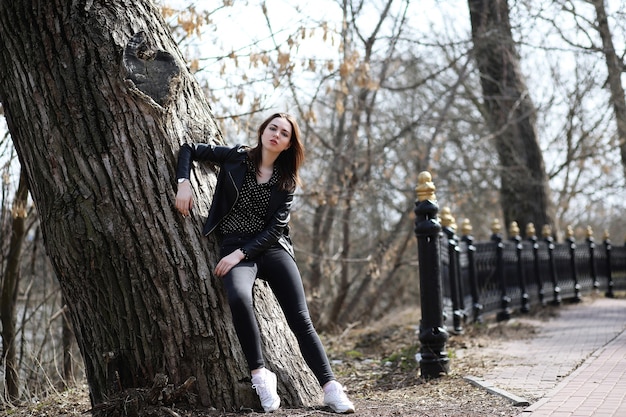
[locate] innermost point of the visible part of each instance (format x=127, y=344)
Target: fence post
x=505, y=300
x=609, y=276
x=514, y=232
x=556, y=290
x=572, y=261
x=477, y=308
x=592, y=260
x=433, y=358
x=531, y=233
x=456, y=293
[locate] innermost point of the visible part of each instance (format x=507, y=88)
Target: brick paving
x=596, y=388
x=574, y=366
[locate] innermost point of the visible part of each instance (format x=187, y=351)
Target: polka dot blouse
x=248, y=214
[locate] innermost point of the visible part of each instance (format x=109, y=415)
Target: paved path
x=575, y=365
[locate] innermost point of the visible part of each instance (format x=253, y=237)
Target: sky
x=238, y=26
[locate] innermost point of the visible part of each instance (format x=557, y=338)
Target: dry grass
x=377, y=364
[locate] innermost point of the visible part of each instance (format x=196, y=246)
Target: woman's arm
x=201, y=152
x=187, y=154
x=261, y=242
x=184, y=198
x=273, y=231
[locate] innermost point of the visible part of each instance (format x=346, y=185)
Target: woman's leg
x=239, y=283
x=279, y=269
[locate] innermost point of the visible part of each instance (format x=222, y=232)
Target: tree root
x=143, y=402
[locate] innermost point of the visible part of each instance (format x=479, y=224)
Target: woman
x=250, y=214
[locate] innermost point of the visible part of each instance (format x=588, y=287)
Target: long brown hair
x=290, y=160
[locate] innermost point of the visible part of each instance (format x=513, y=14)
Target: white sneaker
x=335, y=398
x=264, y=383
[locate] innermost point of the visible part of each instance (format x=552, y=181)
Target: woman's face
x=277, y=135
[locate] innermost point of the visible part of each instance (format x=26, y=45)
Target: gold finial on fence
x=546, y=230
x=495, y=226
x=589, y=231
x=514, y=229
x=530, y=230
x=466, y=228
x=607, y=235
x=570, y=231
x=425, y=189
x=447, y=220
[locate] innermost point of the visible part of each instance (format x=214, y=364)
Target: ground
x=376, y=363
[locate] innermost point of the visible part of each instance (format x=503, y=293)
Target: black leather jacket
x=232, y=162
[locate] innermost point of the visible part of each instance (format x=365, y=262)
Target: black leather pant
x=279, y=269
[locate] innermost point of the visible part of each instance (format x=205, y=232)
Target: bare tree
x=575, y=37
x=615, y=67
x=10, y=283
x=97, y=99
x=510, y=114
x=376, y=116
x=353, y=249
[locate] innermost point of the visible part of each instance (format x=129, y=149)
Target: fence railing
x=506, y=275
x=463, y=280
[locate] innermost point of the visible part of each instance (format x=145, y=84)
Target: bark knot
x=151, y=71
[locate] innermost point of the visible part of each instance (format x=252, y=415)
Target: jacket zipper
x=232, y=180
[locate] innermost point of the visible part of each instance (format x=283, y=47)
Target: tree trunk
x=98, y=99
x=510, y=114
x=67, y=339
x=615, y=66
x=9, y=291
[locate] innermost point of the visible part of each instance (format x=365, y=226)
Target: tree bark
x=510, y=114
x=98, y=99
x=615, y=67
x=67, y=340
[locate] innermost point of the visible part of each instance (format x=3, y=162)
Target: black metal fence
x=511, y=275
x=463, y=280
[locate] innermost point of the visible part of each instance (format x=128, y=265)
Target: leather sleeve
x=278, y=224
x=200, y=152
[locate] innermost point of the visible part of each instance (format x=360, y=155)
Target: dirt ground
x=377, y=365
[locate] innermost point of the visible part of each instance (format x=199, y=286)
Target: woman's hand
x=228, y=262
x=184, y=198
